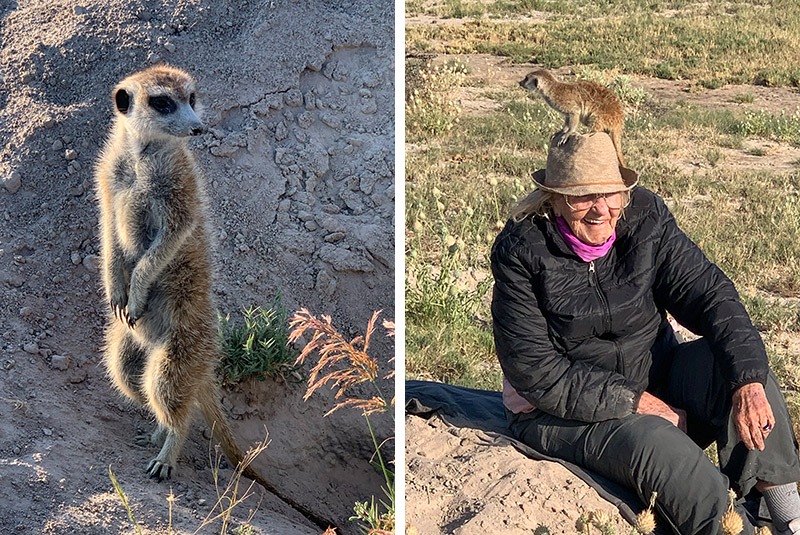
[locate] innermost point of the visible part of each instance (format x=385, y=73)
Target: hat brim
x=629, y=177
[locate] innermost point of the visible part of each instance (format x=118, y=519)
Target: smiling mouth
x=594, y=221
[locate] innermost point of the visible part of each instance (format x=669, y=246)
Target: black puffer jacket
x=579, y=340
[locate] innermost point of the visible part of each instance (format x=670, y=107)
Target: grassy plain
x=729, y=168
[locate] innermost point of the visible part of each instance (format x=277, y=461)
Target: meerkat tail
x=616, y=137
x=212, y=412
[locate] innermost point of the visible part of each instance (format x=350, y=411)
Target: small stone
x=334, y=237
x=25, y=311
x=80, y=10
x=47, y=432
x=60, y=362
x=250, y=280
x=281, y=131
x=70, y=154
x=75, y=257
x=91, y=262
x=32, y=348
x=27, y=78
x=49, y=122
x=293, y=97
x=77, y=377
x=58, y=145
x=305, y=119
x=330, y=120
x=201, y=502
x=12, y=182
x=170, y=47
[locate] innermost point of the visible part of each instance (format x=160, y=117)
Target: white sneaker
x=793, y=529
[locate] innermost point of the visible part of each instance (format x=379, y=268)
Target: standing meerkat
x=161, y=339
x=583, y=101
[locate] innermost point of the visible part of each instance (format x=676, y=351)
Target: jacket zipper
x=594, y=282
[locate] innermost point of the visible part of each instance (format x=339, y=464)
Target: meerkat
x=161, y=338
x=583, y=101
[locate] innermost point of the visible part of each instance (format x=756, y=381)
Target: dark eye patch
x=162, y=104
x=123, y=101
x=192, y=100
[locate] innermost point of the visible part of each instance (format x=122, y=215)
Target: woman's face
x=593, y=225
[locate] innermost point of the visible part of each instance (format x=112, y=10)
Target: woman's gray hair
x=540, y=203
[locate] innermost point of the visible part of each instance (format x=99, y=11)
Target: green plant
x=430, y=106
x=257, y=347
x=756, y=151
x=744, y=98
x=351, y=365
x=714, y=156
x=124, y=499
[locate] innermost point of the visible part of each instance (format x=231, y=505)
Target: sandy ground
x=460, y=482
x=299, y=99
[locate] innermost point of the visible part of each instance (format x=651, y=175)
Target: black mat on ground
x=483, y=410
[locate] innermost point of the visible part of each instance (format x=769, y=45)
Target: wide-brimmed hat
x=583, y=164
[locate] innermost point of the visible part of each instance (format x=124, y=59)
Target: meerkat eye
x=192, y=100
x=162, y=104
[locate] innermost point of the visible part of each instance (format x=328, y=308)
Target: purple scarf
x=585, y=252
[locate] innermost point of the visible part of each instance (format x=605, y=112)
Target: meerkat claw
x=158, y=470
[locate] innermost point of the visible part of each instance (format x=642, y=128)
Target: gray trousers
x=647, y=453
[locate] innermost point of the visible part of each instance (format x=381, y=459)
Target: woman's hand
x=649, y=404
x=752, y=415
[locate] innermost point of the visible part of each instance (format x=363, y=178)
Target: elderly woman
x=585, y=273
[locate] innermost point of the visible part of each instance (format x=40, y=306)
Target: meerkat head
x=158, y=102
x=537, y=80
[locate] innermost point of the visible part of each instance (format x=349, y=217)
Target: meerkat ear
x=123, y=101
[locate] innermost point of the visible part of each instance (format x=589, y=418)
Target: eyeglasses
x=615, y=201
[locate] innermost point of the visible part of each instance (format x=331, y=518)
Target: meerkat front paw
x=118, y=301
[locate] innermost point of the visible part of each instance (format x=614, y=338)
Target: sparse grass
x=744, y=98
x=712, y=43
x=430, y=107
x=257, y=345
x=713, y=156
x=229, y=497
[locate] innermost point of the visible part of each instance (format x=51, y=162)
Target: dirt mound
x=299, y=158
x=458, y=481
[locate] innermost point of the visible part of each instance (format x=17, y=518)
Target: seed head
x=645, y=522
x=732, y=523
